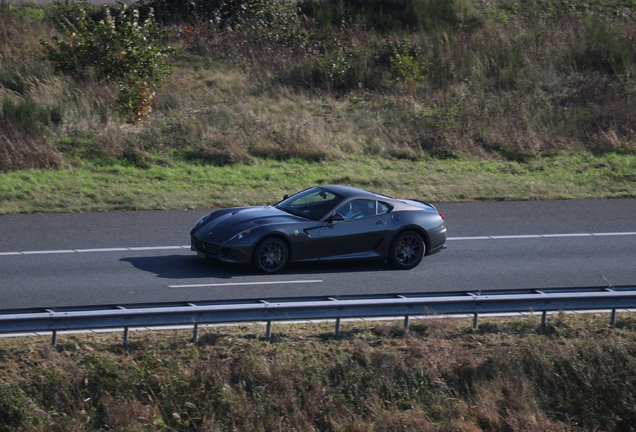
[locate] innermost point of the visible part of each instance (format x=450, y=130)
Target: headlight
x=203, y=219
x=242, y=234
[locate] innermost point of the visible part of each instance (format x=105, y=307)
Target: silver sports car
x=322, y=223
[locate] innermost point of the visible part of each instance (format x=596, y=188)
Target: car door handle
x=379, y=222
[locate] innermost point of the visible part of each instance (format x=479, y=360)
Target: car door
x=354, y=237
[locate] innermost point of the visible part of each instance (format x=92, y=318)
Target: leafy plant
x=16, y=409
x=604, y=49
x=122, y=49
x=27, y=115
x=334, y=67
x=390, y=15
x=407, y=65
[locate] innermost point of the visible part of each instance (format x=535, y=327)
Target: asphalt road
x=50, y=260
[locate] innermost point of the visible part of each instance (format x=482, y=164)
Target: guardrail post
x=544, y=318
x=195, y=334
x=476, y=321
x=268, y=331
x=125, y=337
x=54, y=338
x=337, y=328
x=613, y=317
x=406, y=323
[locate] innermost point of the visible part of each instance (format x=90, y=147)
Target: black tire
x=271, y=255
x=407, y=250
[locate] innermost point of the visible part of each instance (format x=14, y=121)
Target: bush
x=395, y=63
x=407, y=64
x=25, y=127
x=604, y=50
x=389, y=15
x=120, y=49
x=16, y=410
x=27, y=115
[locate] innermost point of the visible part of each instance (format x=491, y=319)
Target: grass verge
x=187, y=185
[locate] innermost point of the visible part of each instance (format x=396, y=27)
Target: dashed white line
x=158, y=248
x=151, y=248
x=515, y=236
x=613, y=234
x=122, y=249
x=41, y=252
x=102, y=250
x=568, y=235
x=539, y=236
x=469, y=238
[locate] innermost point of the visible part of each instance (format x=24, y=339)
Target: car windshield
x=312, y=203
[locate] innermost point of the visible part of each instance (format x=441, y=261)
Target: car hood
x=223, y=228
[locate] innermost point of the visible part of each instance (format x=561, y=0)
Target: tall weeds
x=511, y=375
x=490, y=79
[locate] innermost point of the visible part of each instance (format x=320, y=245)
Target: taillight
x=441, y=215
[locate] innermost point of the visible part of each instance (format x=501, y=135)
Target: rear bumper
x=437, y=249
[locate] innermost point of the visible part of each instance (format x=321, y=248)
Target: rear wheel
x=271, y=255
x=407, y=250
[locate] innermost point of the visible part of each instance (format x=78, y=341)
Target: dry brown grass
x=510, y=375
x=522, y=81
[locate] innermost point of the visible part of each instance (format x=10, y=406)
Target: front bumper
x=238, y=254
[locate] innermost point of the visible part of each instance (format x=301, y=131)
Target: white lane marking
x=123, y=249
x=244, y=283
x=531, y=236
x=569, y=235
x=102, y=250
x=157, y=248
x=44, y=252
x=151, y=248
x=469, y=238
x=515, y=236
x=613, y=234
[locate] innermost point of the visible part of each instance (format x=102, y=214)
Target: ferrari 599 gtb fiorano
x=319, y=224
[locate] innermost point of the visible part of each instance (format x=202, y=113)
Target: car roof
x=352, y=192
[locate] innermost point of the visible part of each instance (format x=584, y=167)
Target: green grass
x=187, y=185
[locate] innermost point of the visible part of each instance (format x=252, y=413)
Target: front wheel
x=271, y=255
x=407, y=250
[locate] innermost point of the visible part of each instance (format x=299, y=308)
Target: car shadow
x=186, y=267
x=193, y=267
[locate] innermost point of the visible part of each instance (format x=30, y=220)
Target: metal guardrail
x=317, y=308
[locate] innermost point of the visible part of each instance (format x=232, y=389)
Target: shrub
x=604, y=49
x=345, y=69
x=122, y=49
x=389, y=15
x=334, y=68
x=407, y=65
x=27, y=115
x=16, y=410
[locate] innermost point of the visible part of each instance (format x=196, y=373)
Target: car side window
x=357, y=209
x=384, y=207
x=312, y=203
x=318, y=197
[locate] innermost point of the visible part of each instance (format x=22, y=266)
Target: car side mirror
x=285, y=197
x=336, y=217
